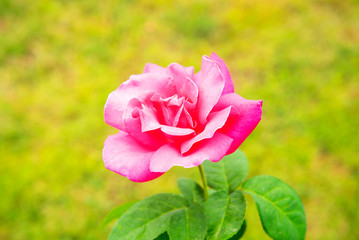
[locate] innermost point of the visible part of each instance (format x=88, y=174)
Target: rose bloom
x=172, y=117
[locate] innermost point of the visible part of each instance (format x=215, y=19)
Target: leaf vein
x=273, y=204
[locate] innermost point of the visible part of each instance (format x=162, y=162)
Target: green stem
x=204, y=181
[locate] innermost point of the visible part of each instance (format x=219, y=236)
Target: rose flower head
x=172, y=117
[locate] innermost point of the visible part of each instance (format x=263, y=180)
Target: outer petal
x=123, y=155
x=250, y=112
x=114, y=107
x=228, y=87
x=177, y=71
x=154, y=68
x=210, y=86
x=216, y=121
x=169, y=155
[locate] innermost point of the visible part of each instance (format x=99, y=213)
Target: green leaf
x=228, y=173
x=279, y=206
x=148, y=218
x=116, y=213
x=241, y=231
x=225, y=214
x=163, y=236
x=188, y=223
x=191, y=190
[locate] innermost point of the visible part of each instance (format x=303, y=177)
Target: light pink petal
x=197, y=77
x=190, y=90
x=123, y=155
x=210, y=88
x=136, y=109
x=114, y=108
x=250, y=112
x=179, y=73
x=228, y=86
x=175, y=131
x=182, y=79
x=189, y=118
x=149, y=120
x=175, y=101
x=137, y=87
x=216, y=121
x=213, y=149
x=154, y=68
x=177, y=116
x=142, y=84
x=166, y=114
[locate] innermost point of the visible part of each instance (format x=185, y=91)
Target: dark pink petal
x=213, y=149
x=228, y=87
x=125, y=156
x=250, y=112
x=141, y=127
x=216, y=121
x=152, y=139
x=210, y=88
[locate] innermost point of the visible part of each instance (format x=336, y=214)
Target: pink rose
x=172, y=117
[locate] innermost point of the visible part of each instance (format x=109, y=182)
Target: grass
x=60, y=59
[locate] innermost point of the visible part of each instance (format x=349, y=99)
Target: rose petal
x=141, y=84
x=179, y=73
x=123, y=155
x=175, y=101
x=215, y=122
x=250, y=112
x=138, y=86
x=141, y=127
x=213, y=149
x=197, y=77
x=154, y=68
x=189, y=118
x=190, y=90
x=175, y=131
x=177, y=116
x=149, y=120
x=114, y=108
x=182, y=79
x=152, y=139
x=210, y=88
x=228, y=87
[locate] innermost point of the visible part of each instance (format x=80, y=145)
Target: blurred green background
x=60, y=59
